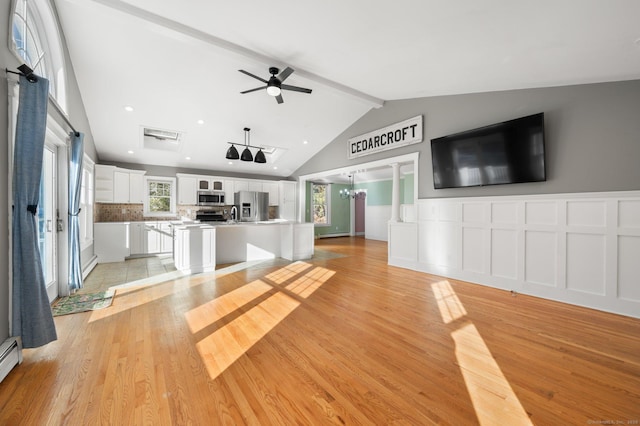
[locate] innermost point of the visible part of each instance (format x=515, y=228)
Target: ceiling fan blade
x=279, y=99
x=254, y=76
x=295, y=88
x=253, y=90
x=284, y=74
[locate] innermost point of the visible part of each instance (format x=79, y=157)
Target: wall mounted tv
x=507, y=152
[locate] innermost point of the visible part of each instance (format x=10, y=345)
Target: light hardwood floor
x=336, y=340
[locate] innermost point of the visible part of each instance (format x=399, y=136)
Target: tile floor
x=106, y=275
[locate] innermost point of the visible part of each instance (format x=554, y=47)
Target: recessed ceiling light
x=200, y=121
x=305, y=142
x=128, y=108
x=187, y=158
x=231, y=163
x=275, y=167
x=130, y=152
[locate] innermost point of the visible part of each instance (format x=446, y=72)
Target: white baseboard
x=92, y=264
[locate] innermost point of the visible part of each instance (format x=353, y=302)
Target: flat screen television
x=507, y=152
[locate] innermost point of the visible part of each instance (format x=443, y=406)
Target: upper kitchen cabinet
x=210, y=184
x=287, y=199
x=116, y=185
x=128, y=186
x=272, y=189
x=240, y=185
x=103, y=183
x=187, y=189
x=229, y=191
x=255, y=185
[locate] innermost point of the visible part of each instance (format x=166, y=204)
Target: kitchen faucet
x=234, y=213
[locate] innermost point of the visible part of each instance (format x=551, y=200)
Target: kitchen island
x=200, y=247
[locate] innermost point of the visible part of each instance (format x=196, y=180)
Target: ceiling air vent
x=162, y=140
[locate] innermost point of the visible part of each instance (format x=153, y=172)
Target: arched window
x=35, y=39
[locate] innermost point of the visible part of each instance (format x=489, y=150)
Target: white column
x=395, y=193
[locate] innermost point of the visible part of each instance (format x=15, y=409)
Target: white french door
x=47, y=221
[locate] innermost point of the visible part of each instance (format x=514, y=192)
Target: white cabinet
x=111, y=241
x=272, y=189
x=288, y=199
x=120, y=187
x=241, y=185
x=210, y=184
x=136, y=187
x=116, y=185
x=187, y=190
x=103, y=183
x=255, y=185
x=195, y=248
x=229, y=192
x=136, y=238
x=150, y=238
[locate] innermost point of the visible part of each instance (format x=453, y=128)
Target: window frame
x=327, y=205
x=172, y=203
x=87, y=203
x=42, y=30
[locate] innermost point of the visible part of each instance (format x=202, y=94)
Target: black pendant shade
x=260, y=158
x=246, y=155
x=232, y=153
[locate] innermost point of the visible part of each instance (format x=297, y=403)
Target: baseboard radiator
x=10, y=355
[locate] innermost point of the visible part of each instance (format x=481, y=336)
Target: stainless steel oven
x=211, y=198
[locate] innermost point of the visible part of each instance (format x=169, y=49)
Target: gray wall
x=77, y=116
x=592, y=136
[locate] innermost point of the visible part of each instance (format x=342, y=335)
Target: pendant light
x=232, y=152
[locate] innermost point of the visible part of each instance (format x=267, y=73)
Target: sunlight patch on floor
x=221, y=306
x=450, y=306
x=224, y=346
x=493, y=399
x=309, y=282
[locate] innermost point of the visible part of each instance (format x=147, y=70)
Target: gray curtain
x=75, y=184
x=31, y=312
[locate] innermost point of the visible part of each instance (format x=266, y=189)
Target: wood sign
x=405, y=133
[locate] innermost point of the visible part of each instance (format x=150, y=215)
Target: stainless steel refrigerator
x=252, y=206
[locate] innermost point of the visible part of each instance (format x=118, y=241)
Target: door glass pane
x=46, y=217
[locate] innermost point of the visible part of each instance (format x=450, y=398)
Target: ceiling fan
x=274, y=86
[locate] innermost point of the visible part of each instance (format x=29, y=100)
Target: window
x=35, y=39
x=160, y=196
x=320, y=195
x=85, y=218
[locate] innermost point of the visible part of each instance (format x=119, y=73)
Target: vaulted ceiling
x=177, y=62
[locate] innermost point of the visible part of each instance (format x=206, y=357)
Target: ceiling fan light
x=273, y=90
x=232, y=153
x=260, y=158
x=246, y=155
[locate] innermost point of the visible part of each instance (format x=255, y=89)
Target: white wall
x=580, y=248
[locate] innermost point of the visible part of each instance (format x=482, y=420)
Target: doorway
x=360, y=200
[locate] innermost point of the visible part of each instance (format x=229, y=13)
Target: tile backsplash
x=109, y=212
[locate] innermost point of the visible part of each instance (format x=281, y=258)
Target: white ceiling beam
x=234, y=48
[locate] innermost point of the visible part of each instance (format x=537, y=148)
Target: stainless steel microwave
x=211, y=198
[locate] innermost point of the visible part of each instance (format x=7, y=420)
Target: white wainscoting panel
x=376, y=222
x=504, y=253
x=586, y=213
x=541, y=256
x=629, y=214
x=586, y=263
x=629, y=268
x=541, y=213
x=504, y=213
x=473, y=249
x=581, y=248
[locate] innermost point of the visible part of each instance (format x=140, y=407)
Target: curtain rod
x=32, y=78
